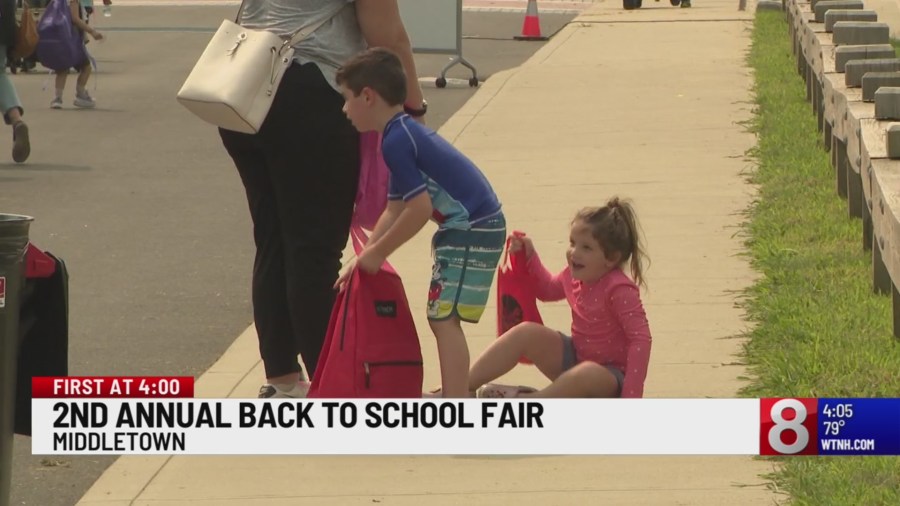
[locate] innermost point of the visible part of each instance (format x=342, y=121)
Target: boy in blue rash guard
x=429, y=178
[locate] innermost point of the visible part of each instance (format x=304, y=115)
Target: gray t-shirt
x=329, y=47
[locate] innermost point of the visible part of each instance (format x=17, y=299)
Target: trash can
x=43, y=328
x=13, y=244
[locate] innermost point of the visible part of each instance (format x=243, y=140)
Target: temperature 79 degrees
x=833, y=428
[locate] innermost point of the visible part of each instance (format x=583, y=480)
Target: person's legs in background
x=82, y=98
x=12, y=113
x=60, y=82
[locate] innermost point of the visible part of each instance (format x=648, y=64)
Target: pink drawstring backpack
x=371, y=194
x=516, y=297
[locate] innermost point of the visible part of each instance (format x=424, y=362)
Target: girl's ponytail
x=626, y=217
x=616, y=228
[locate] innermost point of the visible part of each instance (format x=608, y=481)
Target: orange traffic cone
x=531, y=28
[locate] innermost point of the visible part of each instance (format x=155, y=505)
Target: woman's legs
x=300, y=173
x=9, y=99
x=270, y=311
x=541, y=345
x=12, y=112
x=312, y=152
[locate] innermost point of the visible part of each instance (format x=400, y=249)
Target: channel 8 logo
x=788, y=427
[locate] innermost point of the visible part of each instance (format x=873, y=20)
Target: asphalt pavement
x=146, y=208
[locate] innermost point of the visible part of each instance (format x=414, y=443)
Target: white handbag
x=235, y=80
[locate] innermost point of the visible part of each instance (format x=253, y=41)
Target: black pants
x=300, y=173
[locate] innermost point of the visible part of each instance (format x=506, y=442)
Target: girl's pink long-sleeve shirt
x=609, y=325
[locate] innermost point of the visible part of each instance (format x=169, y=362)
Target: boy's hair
x=616, y=228
x=376, y=68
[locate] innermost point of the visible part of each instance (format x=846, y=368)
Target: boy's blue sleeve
x=393, y=192
x=400, y=153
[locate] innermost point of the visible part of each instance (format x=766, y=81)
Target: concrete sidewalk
x=888, y=12
x=644, y=104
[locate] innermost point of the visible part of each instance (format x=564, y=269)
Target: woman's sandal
x=497, y=391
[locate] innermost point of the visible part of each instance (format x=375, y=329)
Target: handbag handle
x=303, y=32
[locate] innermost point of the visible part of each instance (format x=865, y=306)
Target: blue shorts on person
x=464, y=266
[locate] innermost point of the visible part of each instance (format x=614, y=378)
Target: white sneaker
x=56, y=103
x=84, y=101
x=270, y=391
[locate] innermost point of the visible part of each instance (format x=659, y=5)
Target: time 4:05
x=838, y=410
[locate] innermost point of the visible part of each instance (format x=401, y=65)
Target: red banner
x=112, y=387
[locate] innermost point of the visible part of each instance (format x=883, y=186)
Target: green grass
x=896, y=44
x=819, y=330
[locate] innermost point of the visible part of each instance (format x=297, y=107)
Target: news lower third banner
x=158, y=416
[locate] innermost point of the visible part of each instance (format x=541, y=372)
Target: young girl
x=82, y=98
x=609, y=347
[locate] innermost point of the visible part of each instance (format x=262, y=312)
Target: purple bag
x=60, y=44
x=371, y=193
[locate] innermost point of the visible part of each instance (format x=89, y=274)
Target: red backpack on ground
x=371, y=348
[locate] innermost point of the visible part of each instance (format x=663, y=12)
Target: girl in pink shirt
x=609, y=348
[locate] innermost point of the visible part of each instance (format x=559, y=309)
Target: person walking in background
x=9, y=99
x=89, y=9
x=28, y=63
x=300, y=173
x=608, y=349
x=82, y=98
x=88, y=6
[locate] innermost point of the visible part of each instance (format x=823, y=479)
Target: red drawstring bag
x=516, y=297
x=371, y=348
x=372, y=189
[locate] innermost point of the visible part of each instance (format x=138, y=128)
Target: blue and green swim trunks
x=464, y=266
